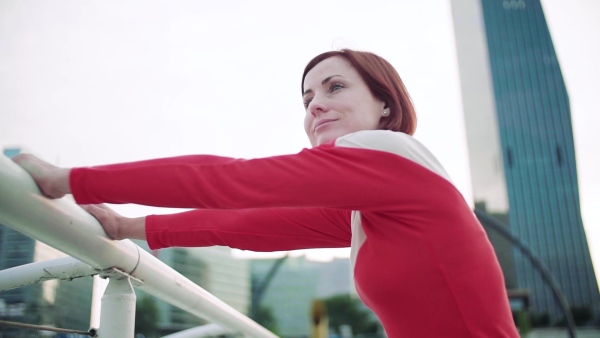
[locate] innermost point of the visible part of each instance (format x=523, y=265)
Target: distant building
x=214, y=269
x=521, y=150
x=295, y=286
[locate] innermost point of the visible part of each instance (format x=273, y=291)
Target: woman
x=421, y=260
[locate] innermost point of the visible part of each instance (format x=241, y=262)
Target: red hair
x=385, y=84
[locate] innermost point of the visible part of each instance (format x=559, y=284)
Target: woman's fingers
x=109, y=219
x=52, y=180
x=92, y=209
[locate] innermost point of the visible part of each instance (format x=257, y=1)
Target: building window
x=513, y=4
x=559, y=155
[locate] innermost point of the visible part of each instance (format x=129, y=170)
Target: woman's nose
x=317, y=106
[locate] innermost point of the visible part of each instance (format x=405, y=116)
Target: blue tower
x=520, y=114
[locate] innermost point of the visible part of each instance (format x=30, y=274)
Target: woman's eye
x=335, y=86
x=306, y=103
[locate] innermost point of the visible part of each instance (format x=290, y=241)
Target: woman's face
x=338, y=102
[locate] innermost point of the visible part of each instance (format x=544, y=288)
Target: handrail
x=208, y=330
x=64, y=268
x=68, y=228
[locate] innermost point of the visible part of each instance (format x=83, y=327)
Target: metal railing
x=68, y=228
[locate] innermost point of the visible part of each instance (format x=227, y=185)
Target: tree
x=582, y=315
x=540, y=319
x=146, y=317
x=264, y=316
x=347, y=310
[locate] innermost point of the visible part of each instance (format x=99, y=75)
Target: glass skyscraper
x=521, y=149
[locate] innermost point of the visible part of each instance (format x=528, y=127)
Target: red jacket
x=421, y=260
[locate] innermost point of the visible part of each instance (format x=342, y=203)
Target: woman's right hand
x=52, y=180
x=116, y=226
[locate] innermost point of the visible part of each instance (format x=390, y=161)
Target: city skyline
x=84, y=85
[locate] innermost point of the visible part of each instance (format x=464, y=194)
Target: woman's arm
x=251, y=229
x=322, y=177
x=54, y=182
x=262, y=229
x=246, y=229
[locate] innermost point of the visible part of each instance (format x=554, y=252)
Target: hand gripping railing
x=68, y=228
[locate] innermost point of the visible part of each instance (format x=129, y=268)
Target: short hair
x=385, y=84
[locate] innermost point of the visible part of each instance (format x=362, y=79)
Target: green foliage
x=264, y=316
x=522, y=321
x=581, y=314
x=347, y=310
x=540, y=319
x=147, y=317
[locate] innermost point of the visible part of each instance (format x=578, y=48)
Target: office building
x=296, y=285
x=214, y=269
x=521, y=149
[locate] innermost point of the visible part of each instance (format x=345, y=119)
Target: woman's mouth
x=323, y=123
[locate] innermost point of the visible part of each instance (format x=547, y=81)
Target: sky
x=86, y=83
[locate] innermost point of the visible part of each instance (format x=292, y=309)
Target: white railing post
x=118, y=309
x=98, y=289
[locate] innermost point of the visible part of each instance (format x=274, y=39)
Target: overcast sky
x=90, y=82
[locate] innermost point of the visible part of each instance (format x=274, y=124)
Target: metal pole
x=208, y=330
x=258, y=292
x=118, y=309
x=98, y=290
x=65, y=268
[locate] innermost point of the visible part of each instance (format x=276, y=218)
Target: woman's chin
x=325, y=140
x=327, y=136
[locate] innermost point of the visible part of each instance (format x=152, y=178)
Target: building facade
x=215, y=269
x=296, y=284
x=521, y=149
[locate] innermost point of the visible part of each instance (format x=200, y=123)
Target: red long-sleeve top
x=421, y=260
